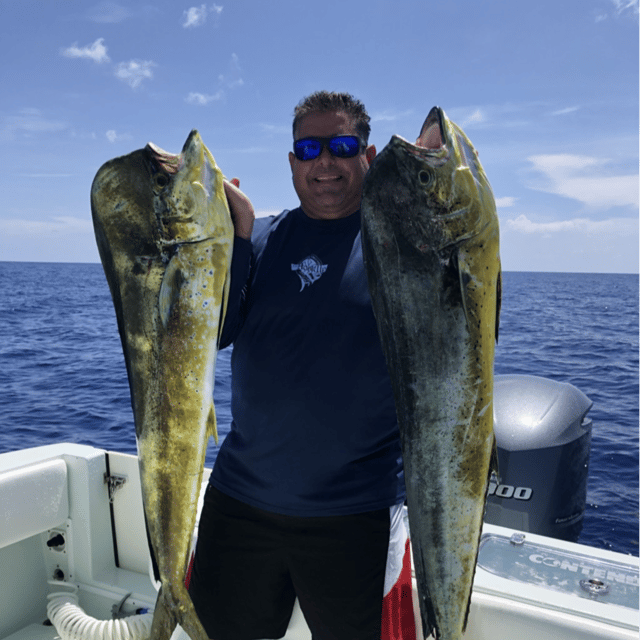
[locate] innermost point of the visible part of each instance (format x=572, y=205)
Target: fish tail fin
x=427, y=611
x=188, y=618
x=175, y=609
x=164, y=621
x=212, y=425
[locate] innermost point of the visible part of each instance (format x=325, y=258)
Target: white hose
x=72, y=623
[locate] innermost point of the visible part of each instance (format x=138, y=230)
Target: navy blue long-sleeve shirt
x=314, y=428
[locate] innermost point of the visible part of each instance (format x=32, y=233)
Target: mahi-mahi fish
x=165, y=235
x=431, y=248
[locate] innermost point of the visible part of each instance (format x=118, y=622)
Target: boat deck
x=67, y=525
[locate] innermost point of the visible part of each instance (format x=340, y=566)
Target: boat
x=75, y=564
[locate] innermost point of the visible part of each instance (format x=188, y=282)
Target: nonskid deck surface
x=523, y=589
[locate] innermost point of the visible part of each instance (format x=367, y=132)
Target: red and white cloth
x=398, y=620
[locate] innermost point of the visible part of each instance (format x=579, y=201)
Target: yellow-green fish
x=430, y=243
x=165, y=235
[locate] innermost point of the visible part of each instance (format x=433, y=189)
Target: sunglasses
x=339, y=147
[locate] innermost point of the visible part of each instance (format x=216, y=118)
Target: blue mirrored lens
x=307, y=149
x=344, y=146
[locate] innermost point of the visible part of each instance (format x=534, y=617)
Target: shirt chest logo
x=309, y=270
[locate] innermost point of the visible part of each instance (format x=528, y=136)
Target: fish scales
x=165, y=235
x=431, y=247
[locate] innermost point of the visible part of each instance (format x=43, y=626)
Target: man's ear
x=370, y=153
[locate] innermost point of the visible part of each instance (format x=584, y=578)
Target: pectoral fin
x=212, y=427
x=498, y=300
x=464, y=277
x=169, y=289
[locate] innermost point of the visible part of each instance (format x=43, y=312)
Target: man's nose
x=325, y=156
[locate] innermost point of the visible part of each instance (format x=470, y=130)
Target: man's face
x=329, y=187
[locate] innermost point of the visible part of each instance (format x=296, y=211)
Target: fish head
x=189, y=198
x=438, y=181
x=151, y=200
x=453, y=178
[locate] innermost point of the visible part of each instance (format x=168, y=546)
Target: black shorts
x=251, y=564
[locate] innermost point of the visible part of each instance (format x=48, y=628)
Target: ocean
x=63, y=378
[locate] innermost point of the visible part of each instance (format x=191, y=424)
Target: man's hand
x=242, y=212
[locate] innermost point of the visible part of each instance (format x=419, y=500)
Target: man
x=308, y=485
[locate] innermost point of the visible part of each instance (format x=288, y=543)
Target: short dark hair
x=323, y=101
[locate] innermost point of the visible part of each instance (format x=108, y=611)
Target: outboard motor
x=544, y=441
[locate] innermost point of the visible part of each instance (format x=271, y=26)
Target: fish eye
x=161, y=180
x=426, y=178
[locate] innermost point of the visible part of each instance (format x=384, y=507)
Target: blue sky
x=547, y=91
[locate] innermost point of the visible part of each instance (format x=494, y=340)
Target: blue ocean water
x=63, y=378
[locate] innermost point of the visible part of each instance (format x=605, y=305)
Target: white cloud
x=112, y=136
x=197, y=16
x=578, y=245
x=626, y=5
x=96, y=51
x=134, y=72
x=202, y=99
x=506, y=115
x=494, y=115
x=476, y=117
x=28, y=123
x=562, y=112
x=620, y=7
x=507, y=201
x=584, y=178
x=522, y=224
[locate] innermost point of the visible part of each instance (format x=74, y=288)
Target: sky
x=547, y=91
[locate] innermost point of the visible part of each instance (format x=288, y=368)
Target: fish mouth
x=432, y=145
x=166, y=162
x=432, y=135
